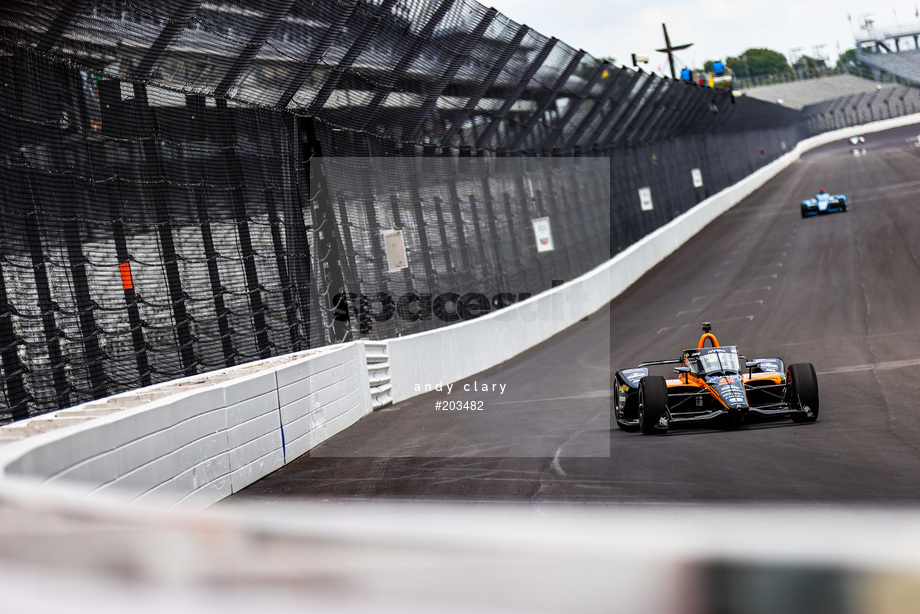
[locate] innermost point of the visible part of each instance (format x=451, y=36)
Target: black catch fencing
x=857, y=109
x=145, y=236
x=189, y=185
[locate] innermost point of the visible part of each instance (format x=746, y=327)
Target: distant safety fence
x=862, y=108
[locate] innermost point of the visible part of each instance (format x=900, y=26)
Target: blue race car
x=824, y=203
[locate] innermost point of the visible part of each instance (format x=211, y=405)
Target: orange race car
x=711, y=386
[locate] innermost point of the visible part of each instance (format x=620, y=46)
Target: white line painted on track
x=757, y=302
x=767, y=288
x=851, y=338
x=878, y=366
x=735, y=319
x=720, y=320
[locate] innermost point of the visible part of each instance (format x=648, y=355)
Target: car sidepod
x=765, y=384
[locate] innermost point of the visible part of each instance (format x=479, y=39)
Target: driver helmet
x=820, y=190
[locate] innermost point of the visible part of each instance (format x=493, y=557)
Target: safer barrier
x=197, y=440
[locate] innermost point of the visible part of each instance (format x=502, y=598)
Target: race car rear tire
x=653, y=403
x=804, y=212
x=803, y=389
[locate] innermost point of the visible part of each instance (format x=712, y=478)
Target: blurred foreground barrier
x=376, y=557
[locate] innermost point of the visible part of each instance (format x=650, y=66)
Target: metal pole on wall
x=392, y=77
x=463, y=50
x=484, y=86
x=113, y=192
x=16, y=397
x=549, y=98
x=34, y=234
x=160, y=199
x=231, y=161
x=483, y=141
x=357, y=46
x=326, y=237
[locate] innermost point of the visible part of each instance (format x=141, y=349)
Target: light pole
x=670, y=49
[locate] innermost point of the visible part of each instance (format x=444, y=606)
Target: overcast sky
x=718, y=28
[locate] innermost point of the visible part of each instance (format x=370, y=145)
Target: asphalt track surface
x=841, y=291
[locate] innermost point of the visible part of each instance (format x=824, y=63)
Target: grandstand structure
x=893, y=50
x=800, y=94
x=187, y=185
x=837, y=101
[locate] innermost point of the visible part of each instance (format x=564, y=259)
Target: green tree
x=708, y=65
x=810, y=62
x=848, y=61
x=757, y=61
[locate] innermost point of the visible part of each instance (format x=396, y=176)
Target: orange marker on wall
x=126, y=282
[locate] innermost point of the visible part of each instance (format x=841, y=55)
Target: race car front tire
x=625, y=426
x=804, y=212
x=803, y=390
x=653, y=403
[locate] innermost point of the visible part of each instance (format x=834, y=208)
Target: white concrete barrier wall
x=454, y=352
x=213, y=436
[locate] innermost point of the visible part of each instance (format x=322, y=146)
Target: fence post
x=345, y=9
x=16, y=396
x=574, y=106
x=464, y=48
x=234, y=168
x=605, y=95
x=164, y=230
x=278, y=9
x=327, y=237
x=484, y=85
x=550, y=98
x=387, y=82
x=483, y=141
x=360, y=42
